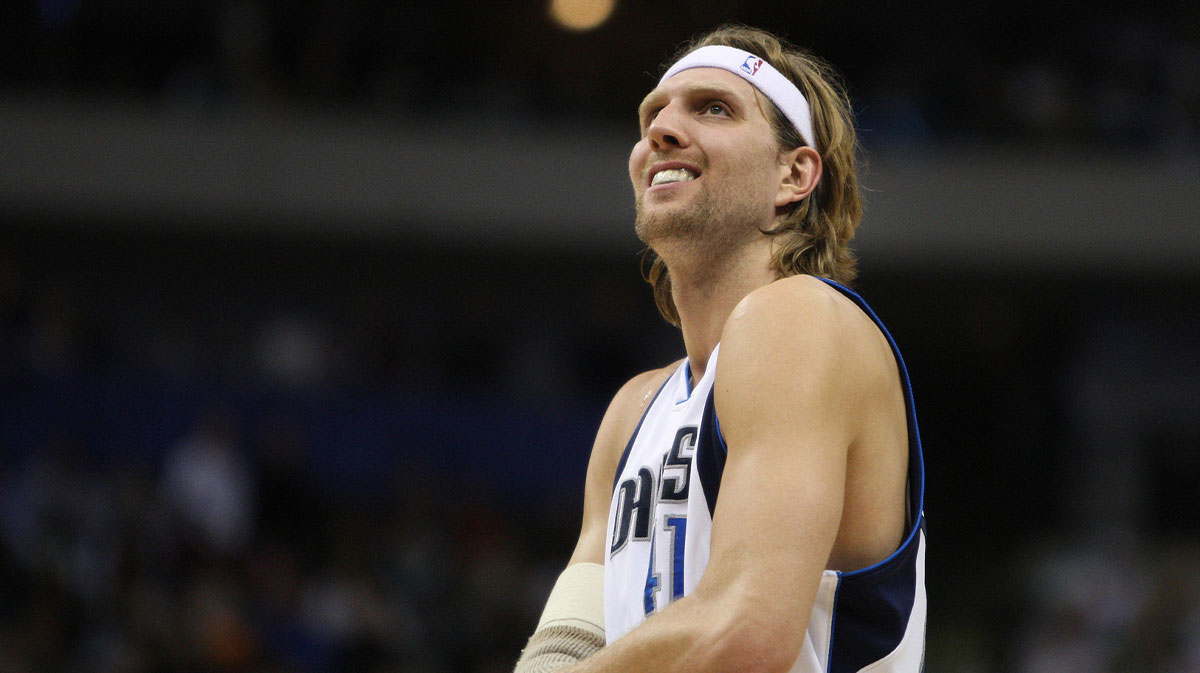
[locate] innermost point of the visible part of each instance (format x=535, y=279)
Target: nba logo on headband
x=752, y=64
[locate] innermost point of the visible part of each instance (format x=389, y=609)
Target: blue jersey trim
x=688, y=386
x=872, y=605
x=711, y=452
x=652, y=581
x=833, y=622
x=916, y=468
x=871, y=612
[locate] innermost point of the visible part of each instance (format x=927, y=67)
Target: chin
x=666, y=223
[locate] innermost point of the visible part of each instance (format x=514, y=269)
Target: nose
x=668, y=129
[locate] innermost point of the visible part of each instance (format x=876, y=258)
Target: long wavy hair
x=815, y=236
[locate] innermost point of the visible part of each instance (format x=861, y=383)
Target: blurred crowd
x=293, y=456
x=157, y=517
x=217, y=563
x=1035, y=71
x=1112, y=603
x=226, y=548
x=177, y=498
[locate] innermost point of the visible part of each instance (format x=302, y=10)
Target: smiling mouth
x=672, y=175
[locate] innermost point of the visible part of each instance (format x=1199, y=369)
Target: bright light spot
x=581, y=15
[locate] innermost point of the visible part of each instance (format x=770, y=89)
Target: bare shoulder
x=804, y=374
x=630, y=403
x=800, y=343
x=806, y=316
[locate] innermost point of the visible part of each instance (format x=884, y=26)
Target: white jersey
x=660, y=521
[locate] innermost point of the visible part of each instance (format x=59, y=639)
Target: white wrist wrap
x=572, y=624
x=577, y=599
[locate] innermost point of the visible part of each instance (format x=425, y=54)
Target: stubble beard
x=703, y=232
x=665, y=225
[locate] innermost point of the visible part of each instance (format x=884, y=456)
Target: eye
x=716, y=107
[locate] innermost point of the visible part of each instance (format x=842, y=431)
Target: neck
x=706, y=290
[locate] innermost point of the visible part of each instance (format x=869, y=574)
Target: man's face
x=707, y=163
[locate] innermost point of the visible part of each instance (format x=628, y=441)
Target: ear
x=800, y=171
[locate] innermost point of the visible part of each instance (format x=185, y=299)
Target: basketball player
x=758, y=505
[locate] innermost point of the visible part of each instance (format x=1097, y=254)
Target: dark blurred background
x=309, y=311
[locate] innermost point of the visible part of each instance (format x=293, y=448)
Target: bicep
x=783, y=408
x=589, y=547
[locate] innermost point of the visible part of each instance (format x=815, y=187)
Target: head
x=810, y=234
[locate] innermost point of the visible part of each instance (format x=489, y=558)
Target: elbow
x=747, y=640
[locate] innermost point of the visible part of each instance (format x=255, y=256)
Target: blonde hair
x=815, y=237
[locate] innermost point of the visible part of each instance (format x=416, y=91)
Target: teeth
x=672, y=175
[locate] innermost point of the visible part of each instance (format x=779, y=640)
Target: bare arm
x=572, y=625
x=788, y=393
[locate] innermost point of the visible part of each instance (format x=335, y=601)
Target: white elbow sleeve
x=572, y=624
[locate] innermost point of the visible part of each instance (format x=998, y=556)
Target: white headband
x=757, y=72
